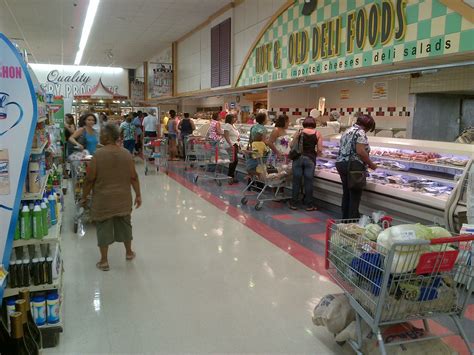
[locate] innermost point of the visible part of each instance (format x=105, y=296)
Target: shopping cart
x=413, y=280
x=155, y=154
x=210, y=159
x=191, y=154
x=264, y=178
x=79, y=162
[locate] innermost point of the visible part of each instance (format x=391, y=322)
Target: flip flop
x=131, y=257
x=310, y=209
x=292, y=207
x=103, y=267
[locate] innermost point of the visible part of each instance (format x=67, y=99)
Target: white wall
x=194, y=52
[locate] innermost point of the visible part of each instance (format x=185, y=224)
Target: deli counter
x=416, y=180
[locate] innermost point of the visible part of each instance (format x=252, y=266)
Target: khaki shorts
x=115, y=229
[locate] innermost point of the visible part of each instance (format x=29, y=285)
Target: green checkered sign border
x=429, y=24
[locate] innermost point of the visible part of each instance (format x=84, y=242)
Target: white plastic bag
x=334, y=312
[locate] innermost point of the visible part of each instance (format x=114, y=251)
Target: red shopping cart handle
x=456, y=239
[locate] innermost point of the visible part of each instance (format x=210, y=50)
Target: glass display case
x=416, y=180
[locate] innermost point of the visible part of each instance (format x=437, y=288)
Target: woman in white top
x=232, y=138
x=279, y=141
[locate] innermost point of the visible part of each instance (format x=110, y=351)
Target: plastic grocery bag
x=81, y=229
x=334, y=312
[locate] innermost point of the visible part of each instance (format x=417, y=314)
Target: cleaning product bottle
x=25, y=220
x=58, y=206
x=44, y=218
x=37, y=222
x=46, y=202
x=17, y=230
x=52, y=208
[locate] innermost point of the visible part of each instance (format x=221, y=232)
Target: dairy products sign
x=18, y=117
x=71, y=80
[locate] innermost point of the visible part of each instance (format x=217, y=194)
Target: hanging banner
x=56, y=108
x=18, y=117
x=347, y=34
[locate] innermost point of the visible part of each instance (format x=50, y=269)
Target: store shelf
x=40, y=149
x=37, y=196
x=53, y=236
x=42, y=119
x=32, y=288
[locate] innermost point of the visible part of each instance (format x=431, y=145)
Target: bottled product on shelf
x=24, y=294
x=17, y=342
x=29, y=340
x=5, y=339
x=39, y=310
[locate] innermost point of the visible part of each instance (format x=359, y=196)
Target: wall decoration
x=160, y=80
x=344, y=94
x=379, y=91
x=347, y=34
x=137, y=90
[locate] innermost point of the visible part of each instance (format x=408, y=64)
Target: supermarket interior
x=286, y=176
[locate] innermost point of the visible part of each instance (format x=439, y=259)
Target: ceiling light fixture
x=86, y=29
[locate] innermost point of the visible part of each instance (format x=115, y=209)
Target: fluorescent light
x=68, y=68
x=86, y=29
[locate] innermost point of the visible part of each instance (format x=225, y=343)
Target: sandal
x=103, y=267
x=130, y=257
x=292, y=207
x=311, y=208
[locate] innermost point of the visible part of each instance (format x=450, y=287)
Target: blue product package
x=52, y=304
x=369, y=267
x=39, y=310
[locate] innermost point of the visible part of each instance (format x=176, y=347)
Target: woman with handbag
x=352, y=163
x=305, y=146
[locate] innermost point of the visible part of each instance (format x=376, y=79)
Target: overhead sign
x=71, y=80
x=18, y=117
x=339, y=36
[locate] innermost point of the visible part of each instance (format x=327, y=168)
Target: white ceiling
x=132, y=30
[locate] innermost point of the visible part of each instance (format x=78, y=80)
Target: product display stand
x=32, y=252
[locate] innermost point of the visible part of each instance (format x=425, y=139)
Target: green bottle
x=17, y=230
x=37, y=222
x=25, y=221
x=44, y=217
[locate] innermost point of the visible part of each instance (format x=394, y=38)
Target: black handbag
x=297, y=149
x=357, y=173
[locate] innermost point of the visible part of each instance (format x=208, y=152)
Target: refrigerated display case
x=419, y=181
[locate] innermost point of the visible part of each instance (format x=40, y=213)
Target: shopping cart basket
x=263, y=179
x=210, y=159
x=79, y=162
x=412, y=280
x=155, y=154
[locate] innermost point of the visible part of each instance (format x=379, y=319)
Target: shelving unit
x=39, y=288
x=40, y=149
x=54, y=236
x=39, y=195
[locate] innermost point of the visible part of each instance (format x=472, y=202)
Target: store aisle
x=202, y=282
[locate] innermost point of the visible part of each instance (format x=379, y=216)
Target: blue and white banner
x=18, y=118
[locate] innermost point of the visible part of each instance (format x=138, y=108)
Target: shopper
x=279, y=141
x=186, y=128
x=303, y=167
x=151, y=126
x=85, y=137
x=259, y=127
x=165, y=125
x=354, y=156
x=128, y=133
x=215, y=133
x=137, y=122
x=110, y=177
x=69, y=129
x=172, y=135
x=232, y=139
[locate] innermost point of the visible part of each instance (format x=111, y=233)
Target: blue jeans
x=303, y=169
x=129, y=144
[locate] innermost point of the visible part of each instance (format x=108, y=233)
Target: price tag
x=408, y=235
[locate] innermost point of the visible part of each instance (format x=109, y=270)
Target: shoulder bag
x=297, y=148
x=357, y=173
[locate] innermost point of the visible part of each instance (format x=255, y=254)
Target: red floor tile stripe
x=303, y=255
